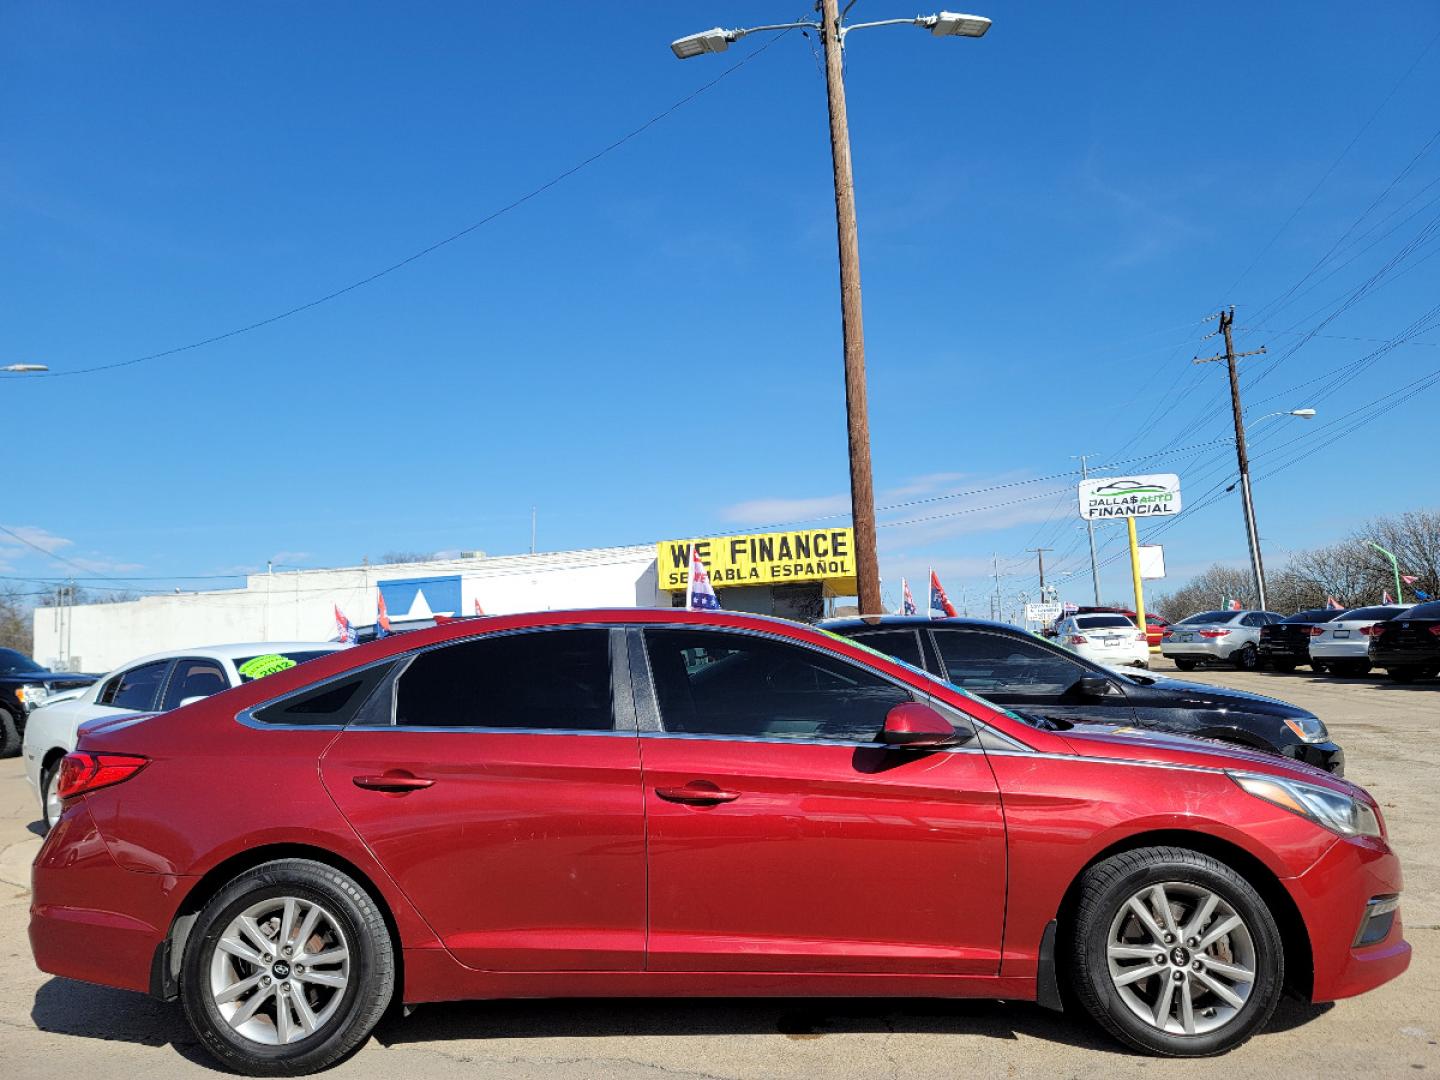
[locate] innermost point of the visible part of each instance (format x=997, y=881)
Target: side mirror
x=1093, y=685
x=914, y=725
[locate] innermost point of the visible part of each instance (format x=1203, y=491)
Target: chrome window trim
x=246, y=716
x=781, y=740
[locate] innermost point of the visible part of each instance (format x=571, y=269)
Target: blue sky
x=651, y=348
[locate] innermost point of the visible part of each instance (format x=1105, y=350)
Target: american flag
x=699, y=593
x=907, y=605
x=478, y=609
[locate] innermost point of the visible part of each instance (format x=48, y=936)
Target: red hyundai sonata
x=667, y=803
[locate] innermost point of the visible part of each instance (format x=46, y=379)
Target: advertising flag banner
x=1331, y=602
x=938, y=600
x=478, y=609
x=382, y=617
x=1385, y=597
x=907, y=606
x=699, y=593
x=344, y=632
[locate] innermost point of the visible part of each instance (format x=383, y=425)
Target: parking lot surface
x=54, y=1028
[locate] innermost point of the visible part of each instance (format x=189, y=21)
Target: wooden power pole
x=1252, y=535
x=862, y=485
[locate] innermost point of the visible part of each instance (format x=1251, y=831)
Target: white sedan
x=155, y=683
x=1112, y=640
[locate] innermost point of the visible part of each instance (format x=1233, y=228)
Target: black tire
x=1350, y=669
x=1184, y=664
x=1245, y=658
x=1403, y=674
x=1318, y=668
x=370, y=975
x=1104, y=893
x=10, y=738
x=1284, y=666
x=50, y=774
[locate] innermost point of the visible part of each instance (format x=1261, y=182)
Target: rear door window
x=136, y=690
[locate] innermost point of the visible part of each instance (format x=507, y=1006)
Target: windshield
x=928, y=677
x=251, y=668
x=14, y=663
x=1209, y=617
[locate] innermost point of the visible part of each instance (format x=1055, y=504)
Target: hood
x=1120, y=742
x=1203, y=695
x=48, y=678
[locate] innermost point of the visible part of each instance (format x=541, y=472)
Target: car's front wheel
x=1246, y=658
x=287, y=969
x=1174, y=952
x=1184, y=664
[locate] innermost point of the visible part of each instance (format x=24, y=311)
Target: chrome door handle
x=697, y=793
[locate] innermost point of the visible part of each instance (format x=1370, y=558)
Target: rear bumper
x=1332, y=896
x=1341, y=650
x=1404, y=658
x=90, y=919
x=1285, y=650
x=1196, y=650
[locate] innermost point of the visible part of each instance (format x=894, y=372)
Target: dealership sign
x=1157, y=495
x=778, y=558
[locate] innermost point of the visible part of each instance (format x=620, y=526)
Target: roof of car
x=235, y=651
x=861, y=622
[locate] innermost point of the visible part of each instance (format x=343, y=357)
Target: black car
x=1015, y=669
x=1286, y=645
x=23, y=685
x=1407, y=645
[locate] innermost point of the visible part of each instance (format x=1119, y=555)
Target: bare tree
x=15, y=609
x=407, y=556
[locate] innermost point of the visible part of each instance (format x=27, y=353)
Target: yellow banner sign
x=780, y=558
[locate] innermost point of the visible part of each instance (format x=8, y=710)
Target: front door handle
x=697, y=793
x=393, y=783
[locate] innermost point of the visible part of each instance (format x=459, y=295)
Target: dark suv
x=1013, y=668
x=24, y=684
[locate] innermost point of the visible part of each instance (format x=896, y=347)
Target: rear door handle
x=396, y=783
x=697, y=793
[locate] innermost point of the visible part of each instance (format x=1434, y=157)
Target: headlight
x=1329, y=809
x=1310, y=729
x=32, y=695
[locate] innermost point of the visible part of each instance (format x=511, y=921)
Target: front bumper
x=1332, y=897
x=1324, y=755
x=90, y=919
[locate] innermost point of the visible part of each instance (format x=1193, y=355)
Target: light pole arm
x=918, y=21
x=738, y=34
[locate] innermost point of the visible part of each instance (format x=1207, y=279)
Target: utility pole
x=995, y=601
x=1252, y=535
x=862, y=485
x=1090, y=528
x=1040, y=555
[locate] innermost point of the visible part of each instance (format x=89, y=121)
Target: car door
x=783, y=838
x=498, y=790
x=1022, y=672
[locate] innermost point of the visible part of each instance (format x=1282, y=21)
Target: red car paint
x=619, y=863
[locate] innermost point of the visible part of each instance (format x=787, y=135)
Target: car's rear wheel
x=1184, y=664
x=1174, y=952
x=287, y=970
x=9, y=734
x=1350, y=668
x=1246, y=658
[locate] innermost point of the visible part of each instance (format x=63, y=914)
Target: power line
x=430, y=248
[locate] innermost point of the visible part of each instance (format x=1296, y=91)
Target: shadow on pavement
x=795, y=1018
x=37, y=827
x=65, y=1007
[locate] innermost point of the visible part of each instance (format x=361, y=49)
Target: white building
x=793, y=574
x=299, y=605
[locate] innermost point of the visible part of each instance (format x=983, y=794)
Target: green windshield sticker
x=260, y=666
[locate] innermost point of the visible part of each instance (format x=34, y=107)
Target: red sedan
x=665, y=803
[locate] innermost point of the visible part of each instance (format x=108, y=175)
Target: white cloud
x=41, y=538
x=765, y=511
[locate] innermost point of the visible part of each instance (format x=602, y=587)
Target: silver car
x=1342, y=645
x=1231, y=637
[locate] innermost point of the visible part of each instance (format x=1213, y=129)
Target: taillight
x=1316, y=631
x=1213, y=633
x=81, y=773
x=1434, y=628
x=1373, y=630
x=1076, y=639
x=1166, y=632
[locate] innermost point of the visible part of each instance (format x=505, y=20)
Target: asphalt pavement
x=56, y=1029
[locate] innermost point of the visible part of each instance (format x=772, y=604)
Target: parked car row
x=734, y=805
x=24, y=687
x=1402, y=639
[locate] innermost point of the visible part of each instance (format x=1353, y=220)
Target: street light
x=21, y=369
x=832, y=35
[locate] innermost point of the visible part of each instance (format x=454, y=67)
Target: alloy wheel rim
x=279, y=971
x=53, y=805
x=1181, y=958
